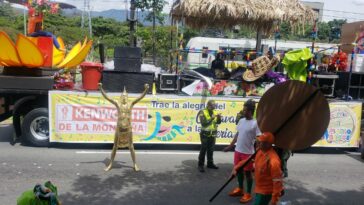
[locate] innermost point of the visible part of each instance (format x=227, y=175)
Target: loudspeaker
x=128, y=64
x=168, y=82
x=341, y=84
x=114, y=81
x=127, y=52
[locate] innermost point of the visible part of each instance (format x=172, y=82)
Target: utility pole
x=132, y=21
x=89, y=18
x=83, y=14
x=126, y=9
x=259, y=41
x=25, y=21
x=154, y=57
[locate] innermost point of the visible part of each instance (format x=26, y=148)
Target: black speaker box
x=128, y=64
x=168, y=82
x=114, y=81
x=127, y=52
x=341, y=84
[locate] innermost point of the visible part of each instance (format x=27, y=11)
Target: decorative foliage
x=223, y=87
x=43, y=6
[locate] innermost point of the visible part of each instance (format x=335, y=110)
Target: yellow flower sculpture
x=26, y=52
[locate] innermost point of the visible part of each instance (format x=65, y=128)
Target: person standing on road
x=247, y=131
x=284, y=155
x=268, y=173
x=209, y=121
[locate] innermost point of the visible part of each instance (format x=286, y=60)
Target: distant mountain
x=119, y=15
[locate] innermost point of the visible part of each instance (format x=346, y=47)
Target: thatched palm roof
x=258, y=14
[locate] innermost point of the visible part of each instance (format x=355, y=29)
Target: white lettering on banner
x=139, y=115
x=94, y=113
x=103, y=128
x=96, y=119
x=139, y=127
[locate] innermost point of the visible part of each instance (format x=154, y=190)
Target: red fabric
x=343, y=61
x=45, y=45
x=238, y=157
x=35, y=22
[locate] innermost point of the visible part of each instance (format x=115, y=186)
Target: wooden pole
x=259, y=41
x=312, y=96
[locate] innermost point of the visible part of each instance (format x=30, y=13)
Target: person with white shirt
x=247, y=131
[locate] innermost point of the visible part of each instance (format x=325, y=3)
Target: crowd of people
x=269, y=166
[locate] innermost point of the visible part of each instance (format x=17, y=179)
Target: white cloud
x=358, y=2
x=102, y=5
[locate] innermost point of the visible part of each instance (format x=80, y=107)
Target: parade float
x=168, y=113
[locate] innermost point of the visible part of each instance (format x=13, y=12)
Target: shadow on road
x=298, y=194
x=325, y=150
x=106, y=162
x=184, y=186
x=6, y=133
x=355, y=156
x=137, y=146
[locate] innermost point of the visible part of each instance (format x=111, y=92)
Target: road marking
x=138, y=152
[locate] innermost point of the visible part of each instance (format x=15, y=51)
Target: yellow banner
x=344, y=127
x=77, y=117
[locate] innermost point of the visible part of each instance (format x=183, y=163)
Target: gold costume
x=123, y=133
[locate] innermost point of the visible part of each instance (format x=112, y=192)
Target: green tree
x=164, y=43
x=152, y=5
x=6, y=10
x=323, y=31
x=285, y=30
x=335, y=29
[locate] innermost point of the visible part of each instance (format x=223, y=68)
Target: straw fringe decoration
x=257, y=14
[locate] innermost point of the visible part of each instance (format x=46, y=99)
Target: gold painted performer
x=123, y=134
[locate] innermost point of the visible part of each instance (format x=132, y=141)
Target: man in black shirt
x=218, y=66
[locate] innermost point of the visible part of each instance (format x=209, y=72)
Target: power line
x=348, y=12
x=341, y=17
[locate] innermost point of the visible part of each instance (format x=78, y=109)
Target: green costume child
x=40, y=195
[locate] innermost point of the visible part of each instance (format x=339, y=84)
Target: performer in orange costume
x=268, y=173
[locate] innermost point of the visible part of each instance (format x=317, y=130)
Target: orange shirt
x=268, y=174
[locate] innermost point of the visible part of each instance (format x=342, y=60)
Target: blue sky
x=353, y=10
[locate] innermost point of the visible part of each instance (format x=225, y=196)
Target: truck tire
x=35, y=127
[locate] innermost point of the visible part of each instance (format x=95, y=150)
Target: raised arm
x=146, y=88
x=107, y=97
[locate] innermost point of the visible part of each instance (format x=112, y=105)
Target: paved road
x=168, y=177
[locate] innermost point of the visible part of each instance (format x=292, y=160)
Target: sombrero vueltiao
x=260, y=66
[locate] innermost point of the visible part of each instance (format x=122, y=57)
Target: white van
x=201, y=51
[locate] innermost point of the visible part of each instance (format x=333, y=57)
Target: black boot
x=201, y=169
x=212, y=166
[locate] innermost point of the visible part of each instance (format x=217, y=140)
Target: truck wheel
x=35, y=127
